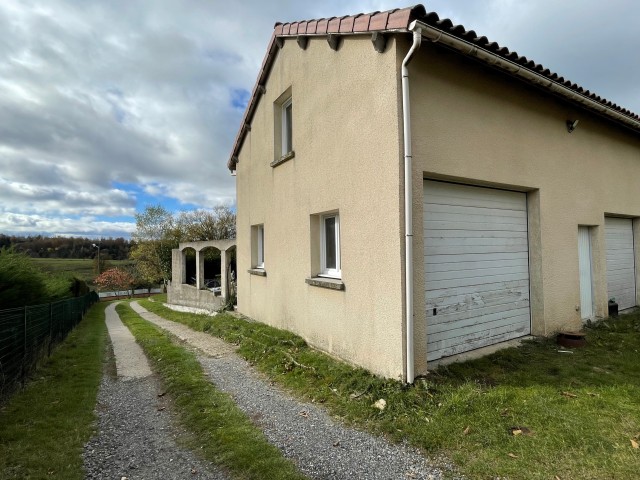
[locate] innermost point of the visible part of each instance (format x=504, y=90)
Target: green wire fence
x=27, y=334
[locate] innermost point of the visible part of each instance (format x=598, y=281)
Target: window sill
x=286, y=157
x=260, y=272
x=323, y=282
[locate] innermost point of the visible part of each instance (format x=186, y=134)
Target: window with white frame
x=260, y=251
x=287, y=127
x=330, y=245
x=257, y=247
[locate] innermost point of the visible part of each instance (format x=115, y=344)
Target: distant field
x=81, y=268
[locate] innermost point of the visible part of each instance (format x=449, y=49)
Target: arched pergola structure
x=198, y=295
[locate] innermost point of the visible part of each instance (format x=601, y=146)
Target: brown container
x=571, y=339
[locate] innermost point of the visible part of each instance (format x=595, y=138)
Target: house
x=408, y=191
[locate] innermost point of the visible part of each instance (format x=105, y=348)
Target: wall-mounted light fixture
x=571, y=125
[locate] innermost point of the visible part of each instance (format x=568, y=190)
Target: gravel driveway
x=136, y=438
x=321, y=447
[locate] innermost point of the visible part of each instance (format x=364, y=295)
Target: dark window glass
x=288, y=125
x=330, y=242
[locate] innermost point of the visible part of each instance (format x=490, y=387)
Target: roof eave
x=392, y=21
x=571, y=92
x=398, y=21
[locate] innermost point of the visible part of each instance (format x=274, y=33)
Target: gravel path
x=305, y=433
x=136, y=438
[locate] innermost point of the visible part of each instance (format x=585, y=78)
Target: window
x=330, y=245
x=287, y=128
x=257, y=249
x=283, y=128
x=260, y=252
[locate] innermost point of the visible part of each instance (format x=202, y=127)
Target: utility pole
x=98, y=247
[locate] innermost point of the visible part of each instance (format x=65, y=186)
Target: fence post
x=24, y=347
x=50, y=328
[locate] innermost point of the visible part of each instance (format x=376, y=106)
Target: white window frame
x=287, y=147
x=324, y=271
x=260, y=252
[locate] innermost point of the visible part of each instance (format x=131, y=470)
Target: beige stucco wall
x=474, y=125
x=346, y=142
x=470, y=125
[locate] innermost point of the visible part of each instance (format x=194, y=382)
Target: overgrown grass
x=82, y=268
x=580, y=411
x=44, y=427
x=219, y=429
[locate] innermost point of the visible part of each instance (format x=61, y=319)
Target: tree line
x=158, y=231
x=40, y=246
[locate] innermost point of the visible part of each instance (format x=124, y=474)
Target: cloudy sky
x=109, y=106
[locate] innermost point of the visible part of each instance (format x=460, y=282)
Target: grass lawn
x=160, y=297
x=44, y=427
x=219, y=429
x=527, y=413
x=81, y=268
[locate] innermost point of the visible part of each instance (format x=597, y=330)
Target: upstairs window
x=287, y=127
x=283, y=128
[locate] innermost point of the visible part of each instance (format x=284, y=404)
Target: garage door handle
x=435, y=311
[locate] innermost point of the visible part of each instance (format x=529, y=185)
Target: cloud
x=95, y=94
x=20, y=224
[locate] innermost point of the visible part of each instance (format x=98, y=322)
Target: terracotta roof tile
x=334, y=25
x=322, y=25
x=361, y=23
x=346, y=26
x=311, y=26
x=379, y=21
x=401, y=18
x=398, y=20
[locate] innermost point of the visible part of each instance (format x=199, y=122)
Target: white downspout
x=408, y=200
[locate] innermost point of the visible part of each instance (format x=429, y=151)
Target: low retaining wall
x=124, y=293
x=190, y=296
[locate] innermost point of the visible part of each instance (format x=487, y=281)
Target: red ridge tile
x=322, y=25
x=361, y=23
x=334, y=25
x=346, y=25
x=379, y=21
x=400, y=18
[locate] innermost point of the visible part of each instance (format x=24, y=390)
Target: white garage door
x=477, y=267
x=621, y=274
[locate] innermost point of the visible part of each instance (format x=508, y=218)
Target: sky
x=107, y=107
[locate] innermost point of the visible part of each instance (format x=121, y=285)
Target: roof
x=399, y=20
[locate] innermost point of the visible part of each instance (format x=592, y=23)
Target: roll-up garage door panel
x=476, y=265
x=620, y=260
